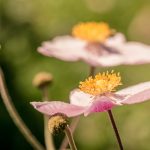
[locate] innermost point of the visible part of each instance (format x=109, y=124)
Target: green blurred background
x=25, y=24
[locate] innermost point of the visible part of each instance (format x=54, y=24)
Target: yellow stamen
x=101, y=83
x=92, y=31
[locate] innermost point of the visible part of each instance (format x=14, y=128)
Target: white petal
x=117, y=39
x=110, y=60
x=64, y=47
x=77, y=97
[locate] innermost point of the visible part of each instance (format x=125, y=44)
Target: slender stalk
x=92, y=71
x=47, y=135
x=115, y=129
x=75, y=121
x=70, y=138
x=16, y=117
x=73, y=126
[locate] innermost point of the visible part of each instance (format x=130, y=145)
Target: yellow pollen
x=92, y=31
x=101, y=83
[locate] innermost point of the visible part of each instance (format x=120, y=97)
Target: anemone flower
x=96, y=94
x=97, y=45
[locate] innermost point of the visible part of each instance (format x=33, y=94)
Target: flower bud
x=57, y=123
x=42, y=79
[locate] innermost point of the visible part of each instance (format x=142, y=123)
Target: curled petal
x=100, y=104
x=51, y=108
x=136, y=94
x=65, y=48
x=79, y=98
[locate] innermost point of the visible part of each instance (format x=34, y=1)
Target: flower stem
x=16, y=117
x=92, y=71
x=70, y=138
x=73, y=126
x=47, y=135
x=115, y=129
x=75, y=121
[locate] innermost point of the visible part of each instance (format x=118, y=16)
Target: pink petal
x=51, y=108
x=65, y=48
x=107, y=60
x=100, y=104
x=136, y=94
x=132, y=52
x=79, y=98
x=136, y=53
x=116, y=98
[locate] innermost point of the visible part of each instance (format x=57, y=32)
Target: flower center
x=92, y=31
x=101, y=83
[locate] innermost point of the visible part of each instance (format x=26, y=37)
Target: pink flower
x=94, y=44
x=96, y=95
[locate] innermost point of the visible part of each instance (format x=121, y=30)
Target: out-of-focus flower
x=97, y=45
x=96, y=95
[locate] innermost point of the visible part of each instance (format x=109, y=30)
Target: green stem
x=47, y=135
x=70, y=138
x=16, y=117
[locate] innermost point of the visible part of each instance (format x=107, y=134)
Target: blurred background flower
x=25, y=24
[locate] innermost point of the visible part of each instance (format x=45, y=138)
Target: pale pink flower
x=131, y=95
x=96, y=95
x=94, y=44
